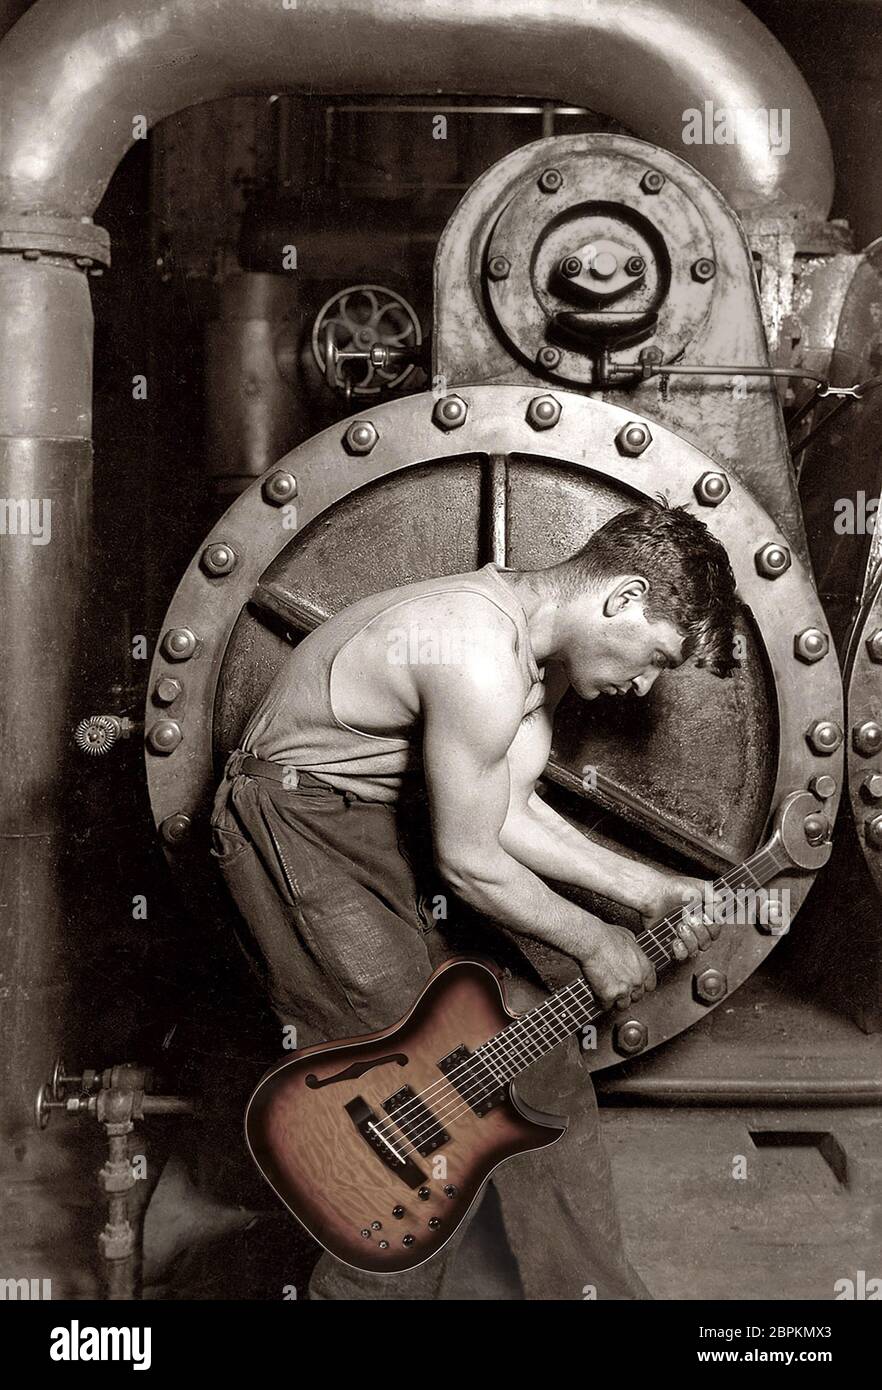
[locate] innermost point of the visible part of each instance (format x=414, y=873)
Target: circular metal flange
x=182, y=782
x=863, y=680
x=576, y=224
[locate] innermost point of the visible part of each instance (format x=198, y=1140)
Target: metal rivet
x=164, y=736
x=710, y=986
x=874, y=645
x=811, y=645
x=873, y=831
x=543, y=412
x=772, y=560
x=824, y=736
x=630, y=1037
x=703, y=269
x=823, y=786
x=360, y=437
x=179, y=644
x=279, y=488
x=866, y=738
x=449, y=413
x=548, y=357
x=632, y=439
x=550, y=180
x=218, y=558
x=167, y=690
x=498, y=267
x=816, y=828
x=652, y=181
x=712, y=489
x=871, y=786
x=175, y=828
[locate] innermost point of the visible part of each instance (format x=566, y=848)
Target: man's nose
x=643, y=684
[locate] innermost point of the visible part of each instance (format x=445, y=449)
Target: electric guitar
x=380, y=1145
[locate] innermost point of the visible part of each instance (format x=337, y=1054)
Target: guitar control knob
x=424, y=1194
x=398, y=1212
x=407, y=1240
x=450, y=1190
x=434, y=1222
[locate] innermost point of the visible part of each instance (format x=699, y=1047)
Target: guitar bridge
x=387, y=1146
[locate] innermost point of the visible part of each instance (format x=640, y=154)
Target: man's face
x=615, y=650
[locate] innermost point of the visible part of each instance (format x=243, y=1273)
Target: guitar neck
x=536, y=1033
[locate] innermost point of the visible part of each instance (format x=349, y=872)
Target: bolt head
x=635, y=265
x=711, y=489
x=630, y=1037
x=633, y=439
x=450, y=412
x=164, y=736
x=773, y=560
x=543, y=412
x=571, y=266
x=710, y=986
x=866, y=738
x=824, y=736
x=550, y=180
x=218, y=559
x=652, y=181
x=604, y=265
x=179, y=644
x=811, y=645
x=871, y=786
x=175, y=828
x=823, y=786
x=498, y=267
x=816, y=828
x=873, y=831
x=167, y=690
x=548, y=357
x=874, y=645
x=360, y=438
x=279, y=488
x=703, y=269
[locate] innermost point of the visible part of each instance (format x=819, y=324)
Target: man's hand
x=697, y=928
x=615, y=967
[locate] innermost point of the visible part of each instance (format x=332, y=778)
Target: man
x=413, y=726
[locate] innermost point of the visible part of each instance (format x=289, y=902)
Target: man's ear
x=632, y=589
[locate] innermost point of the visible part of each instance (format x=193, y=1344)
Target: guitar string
x=518, y=1034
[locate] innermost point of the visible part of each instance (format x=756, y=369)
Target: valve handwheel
x=357, y=319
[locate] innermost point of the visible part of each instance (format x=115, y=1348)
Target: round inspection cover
x=698, y=765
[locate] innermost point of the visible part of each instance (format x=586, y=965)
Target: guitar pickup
x=386, y=1144
x=475, y=1082
x=416, y=1121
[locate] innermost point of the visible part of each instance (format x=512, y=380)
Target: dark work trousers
x=344, y=939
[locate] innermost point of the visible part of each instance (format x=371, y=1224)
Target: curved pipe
x=73, y=75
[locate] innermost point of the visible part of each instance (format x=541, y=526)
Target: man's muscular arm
x=471, y=713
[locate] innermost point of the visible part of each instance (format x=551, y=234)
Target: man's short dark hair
x=691, y=584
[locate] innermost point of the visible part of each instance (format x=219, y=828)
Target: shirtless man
x=413, y=727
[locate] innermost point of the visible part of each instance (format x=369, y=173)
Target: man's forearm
x=544, y=842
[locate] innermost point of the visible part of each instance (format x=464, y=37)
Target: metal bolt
x=811, y=645
x=710, y=986
x=279, y=488
x=571, y=266
x=550, y=180
x=167, y=690
x=772, y=560
x=449, y=413
x=498, y=267
x=630, y=1037
x=823, y=786
x=175, y=828
x=873, y=831
x=604, y=265
x=164, y=736
x=866, y=738
x=652, y=181
x=543, y=412
x=824, y=736
x=360, y=437
x=817, y=828
x=218, y=558
x=712, y=489
x=635, y=265
x=874, y=645
x=548, y=357
x=703, y=269
x=179, y=644
x=871, y=786
x=632, y=439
